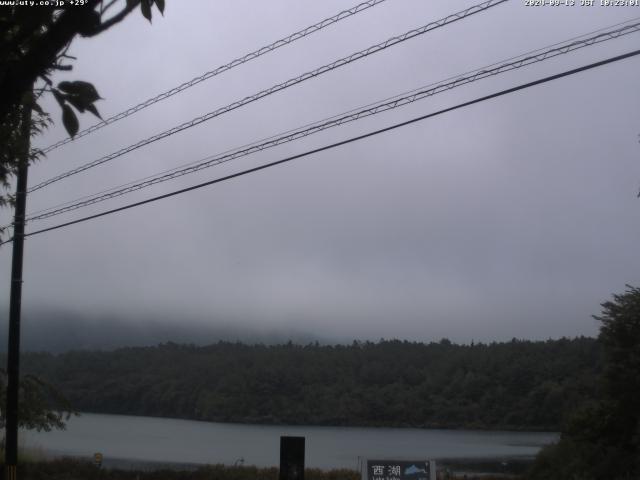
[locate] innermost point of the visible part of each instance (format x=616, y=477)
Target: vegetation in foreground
x=601, y=441
x=73, y=469
x=513, y=385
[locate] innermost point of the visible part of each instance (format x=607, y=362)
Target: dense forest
x=513, y=385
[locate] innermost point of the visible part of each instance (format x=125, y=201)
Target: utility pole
x=13, y=357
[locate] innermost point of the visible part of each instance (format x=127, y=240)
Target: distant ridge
x=57, y=331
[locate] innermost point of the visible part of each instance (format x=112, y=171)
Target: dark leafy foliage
x=34, y=41
x=515, y=385
x=42, y=405
x=71, y=469
x=74, y=469
x=602, y=439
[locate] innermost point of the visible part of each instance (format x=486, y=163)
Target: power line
x=281, y=86
x=376, y=108
x=221, y=69
x=343, y=142
x=530, y=52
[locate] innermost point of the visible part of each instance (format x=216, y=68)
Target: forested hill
x=513, y=385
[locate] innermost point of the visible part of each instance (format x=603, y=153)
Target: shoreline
x=252, y=422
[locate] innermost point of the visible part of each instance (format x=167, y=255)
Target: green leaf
x=92, y=108
x=85, y=90
x=160, y=4
x=76, y=102
x=145, y=7
x=69, y=120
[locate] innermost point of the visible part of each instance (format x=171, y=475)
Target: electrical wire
x=281, y=86
x=530, y=52
x=221, y=69
x=343, y=142
x=354, y=115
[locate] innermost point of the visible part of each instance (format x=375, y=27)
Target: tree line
x=513, y=385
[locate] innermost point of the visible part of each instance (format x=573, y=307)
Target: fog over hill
x=58, y=331
x=513, y=217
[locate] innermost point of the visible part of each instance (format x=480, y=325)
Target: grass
x=74, y=469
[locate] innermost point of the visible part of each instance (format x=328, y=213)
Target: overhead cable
x=373, y=109
x=221, y=69
x=337, y=144
x=255, y=142
x=281, y=86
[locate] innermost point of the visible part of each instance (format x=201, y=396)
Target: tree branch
x=117, y=18
x=22, y=75
x=104, y=8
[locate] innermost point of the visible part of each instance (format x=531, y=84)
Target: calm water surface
x=184, y=441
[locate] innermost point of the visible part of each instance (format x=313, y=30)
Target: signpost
x=399, y=470
x=291, y=458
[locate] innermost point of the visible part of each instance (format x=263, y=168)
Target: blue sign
x=400, y=470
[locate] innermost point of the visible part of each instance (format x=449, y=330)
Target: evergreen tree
x=602, y=440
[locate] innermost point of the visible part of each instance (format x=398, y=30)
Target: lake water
x=146, y=439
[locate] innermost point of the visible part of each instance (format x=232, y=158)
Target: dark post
x=13, y=357
x=291, y=458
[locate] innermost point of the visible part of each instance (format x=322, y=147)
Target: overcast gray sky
x=512, y=218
